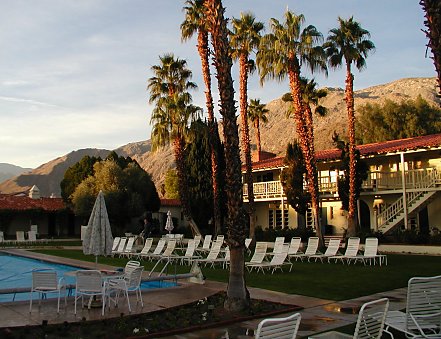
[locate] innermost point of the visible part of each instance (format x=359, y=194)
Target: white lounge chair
x=206, y=245
x=370, y=254
x=331, y=250
x=146, y=249
x=422, y=318
x=89, y=284
x=277, y=262
x=197, y=240
x=280, y=328
x=213, y=254
x=294, y=246
x=32, y=236
x=258, y=256
x=115, y=243
x=351, y=251
x=44, y=281
x=130, y=282
x=370, y=322
x=278, y=245
x=20, y=235
x=158, y=249
x=311, y=249
x=168, y=252
x=129, y=250
x=121, y=246
x=189, y=255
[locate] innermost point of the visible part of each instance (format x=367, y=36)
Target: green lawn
x=328, y=281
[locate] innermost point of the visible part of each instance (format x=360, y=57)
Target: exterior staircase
x=418, y=198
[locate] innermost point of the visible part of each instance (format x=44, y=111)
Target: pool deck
x=318, y=315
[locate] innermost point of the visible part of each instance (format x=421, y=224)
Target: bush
x=271, y=234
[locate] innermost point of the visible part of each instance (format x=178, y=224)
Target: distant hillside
x=8, y=171
x=275, y=135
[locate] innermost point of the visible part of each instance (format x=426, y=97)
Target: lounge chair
x=89, y=284
x=278, y=245
x=370, y=322
x=331, y=251
x=277, y=262
x=189, y=255
x=280, y=328
x=213, y=254
x=128, y=283
x=350, y=253
x=247, y=245
x=311, y=249
x=294, y=247
x=20, y=235
x=115, y=243
x=32, y=236
x=206, y=245
x=197, y=240
x=146, y=249
x=121, y=246
x=158, y=249
x=44, y=281
x=168, y=252
x=370, y=254
x=258, y=256
x=422, y=318
x=128, y=250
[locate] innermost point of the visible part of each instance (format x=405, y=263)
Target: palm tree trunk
x=302, y=132
x=237, y=293
x=349, y=97
x=243, y=100
x=204, y=55
x=259, y=147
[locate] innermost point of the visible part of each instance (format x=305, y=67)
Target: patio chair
x=206, y=245
x=350, y=253
x=370, y=254
x=121, y=246
x=311, y=249
x=247, y=245
x=130, y=266
x=128, y=250
x=158, y=249
x=370, y=322
x=213, y=254
x=258, y=256
x=32, y=236
x=2, y=236
x=278, y=246
x=294, y=247
x=115, y=244
x=20, y=235
x=197, y=240
x=44, y=281
x=130, y=282
x=331, y=250
x=146, y=249
x=89, y=283
x=280, y=328
x=422, y=318
x=189, y=255
x=277, y=262
x=168, y=252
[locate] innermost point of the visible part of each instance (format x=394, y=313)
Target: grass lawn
x=327, y=281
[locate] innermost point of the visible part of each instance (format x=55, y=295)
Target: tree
x=195, y=21
x=361, y=172
x=74, y=175
x=392, y=120
x=171, y=184
x=349, y=44
x=237, y=294
x=244, y=39
x=292, y=178
x=173, y=112
x=281, y=53
x=256, y=114
x=432, y=9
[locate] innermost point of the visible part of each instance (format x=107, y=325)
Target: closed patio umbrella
x=169, y=224
x=98, y=237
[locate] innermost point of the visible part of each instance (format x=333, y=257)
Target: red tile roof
x=170, y=202
x=391, y=146
x=23, y=203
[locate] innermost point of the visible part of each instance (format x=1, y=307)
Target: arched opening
x=365, y=216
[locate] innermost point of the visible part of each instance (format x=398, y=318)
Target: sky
x=73, y=73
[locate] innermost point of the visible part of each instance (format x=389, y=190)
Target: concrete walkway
x=318, y=315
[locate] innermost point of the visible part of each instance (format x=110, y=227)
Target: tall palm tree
x=282, y=53
x=195, y=22
x=256, y=114
x=237, y=294
x=244, y=39
x=172, y=113
x=432, y=8
x=349, y=43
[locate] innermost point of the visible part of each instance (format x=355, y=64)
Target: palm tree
x=432, y=8
x=256, y=114
x=282, y=53
x=237, y=294
x=349, y=44
x=172, y=113
x=244, y=39
x=195, y=21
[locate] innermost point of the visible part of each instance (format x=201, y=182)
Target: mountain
x=275, y=135
x=8, y=171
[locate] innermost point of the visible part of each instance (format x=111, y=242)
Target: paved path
x=318, y=315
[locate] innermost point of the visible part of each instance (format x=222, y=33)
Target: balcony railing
x=415, y=179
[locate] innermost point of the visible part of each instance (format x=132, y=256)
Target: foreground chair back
x=130, y=282
x=44, y=281
x=280, y=328
x=422, y=318
x=89, y=283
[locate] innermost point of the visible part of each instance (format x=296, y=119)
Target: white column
x=403, y=180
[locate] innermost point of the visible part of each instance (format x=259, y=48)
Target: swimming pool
x=16, y=273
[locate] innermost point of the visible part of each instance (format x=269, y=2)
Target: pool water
x=16, y=272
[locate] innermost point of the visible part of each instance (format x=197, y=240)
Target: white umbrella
x=169, y=224
x=98, y=237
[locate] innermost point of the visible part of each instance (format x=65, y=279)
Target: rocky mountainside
x=8, y=171
x=275, y=135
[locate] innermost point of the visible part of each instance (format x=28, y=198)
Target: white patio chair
x=279, y=328
x=351, y=251
x=197, y=240
x=294, y=246
x=422, y=318
x=130, y=266
x=213, y=254
x=130, y=282
x=370, y=254
x=258, y=256
x=331, y=250
x=128, y=250
x=311, y=249
x=121, y=246
x=189, y=255
x=20, y=235
x=32, y=236
x=370, y=322
x=168, y=251
x=206, y=245
x=44, y=281
x=89, y=284
x=115, y=243
x=146, y=249
x=277, y=262
x=2, y=236
x=247, y=245
x=158, y=249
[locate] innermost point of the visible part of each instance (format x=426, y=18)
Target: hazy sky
x=73, y=73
